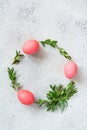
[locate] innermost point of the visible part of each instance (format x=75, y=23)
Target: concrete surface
x=62, y=20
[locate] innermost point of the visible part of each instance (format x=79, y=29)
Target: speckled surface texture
x=63, y=20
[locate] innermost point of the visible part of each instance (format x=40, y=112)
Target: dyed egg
x=25, y=97
x=31, y=47
x=70, y=69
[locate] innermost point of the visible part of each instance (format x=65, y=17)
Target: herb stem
x=17, y=57
x=13, y=78
x=58, y=96
x=53, y=44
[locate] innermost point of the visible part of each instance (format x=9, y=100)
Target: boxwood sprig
x=53, y=43
x=17, y=57
x=58, y=97
x=13, y=78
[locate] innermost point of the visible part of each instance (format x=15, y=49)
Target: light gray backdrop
x=62, y=20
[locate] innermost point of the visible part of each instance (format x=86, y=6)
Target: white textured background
x=62, y=20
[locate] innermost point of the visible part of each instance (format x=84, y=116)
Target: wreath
x=58, y=95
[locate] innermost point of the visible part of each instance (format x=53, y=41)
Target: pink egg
x=25, y=97
x=31, y=47
x=70, y=69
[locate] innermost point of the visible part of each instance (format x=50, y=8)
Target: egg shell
x=70, y=69
x=31, y=47
x=25, y=97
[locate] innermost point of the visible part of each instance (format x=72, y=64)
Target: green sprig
x=58, y=96
x=13, y=78
x=53, y=44
x=17, y=57
x=49, y=42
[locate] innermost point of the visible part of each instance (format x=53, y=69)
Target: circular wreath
x=58, y=95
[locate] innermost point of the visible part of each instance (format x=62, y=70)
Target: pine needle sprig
x=58, y=97
x=53, y=44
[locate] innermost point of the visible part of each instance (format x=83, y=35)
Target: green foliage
x=58, y=96
x=53, y=44
x=64, y=53
x=17, y=57
x=12, y=77
x=49, y=42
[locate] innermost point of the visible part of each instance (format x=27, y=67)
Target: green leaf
x=13, y=78
x=49, y=42
x=53, y=43
x=17, y=57
x=64, y=53
x=41, y=102
x=58, y=96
